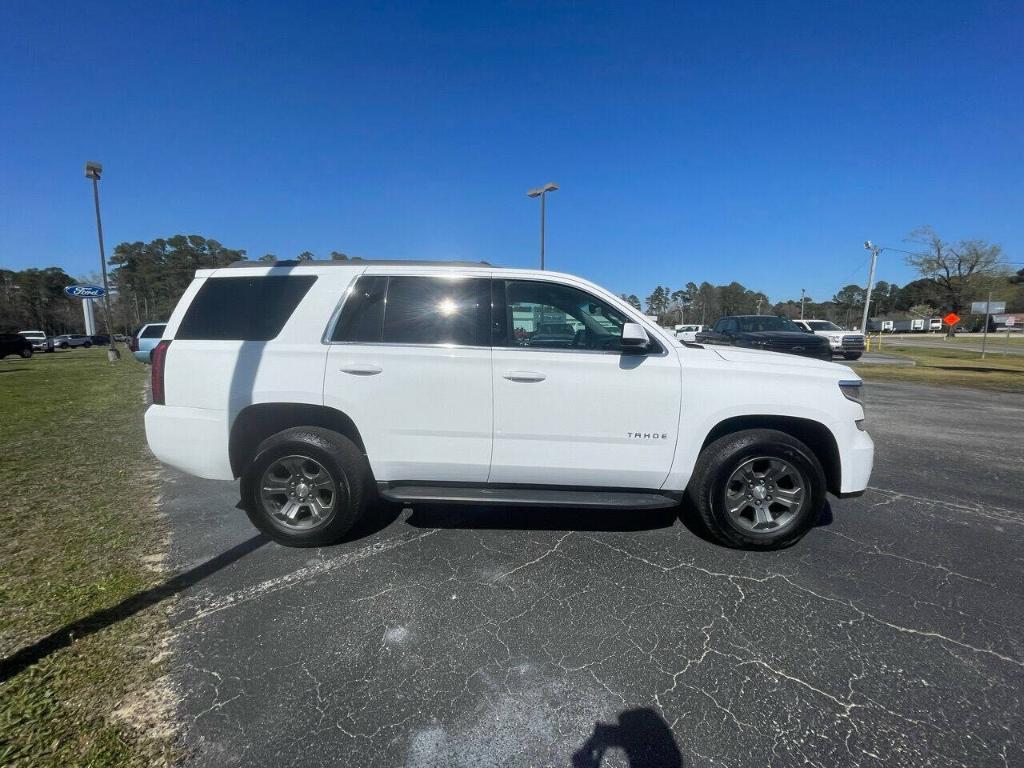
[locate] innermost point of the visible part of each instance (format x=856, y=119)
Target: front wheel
x=26, y=353
x=758, y=489
x=306, y=486
x=852, y=355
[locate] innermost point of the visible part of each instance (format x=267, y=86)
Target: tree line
x=147, y=279
x=953, y=274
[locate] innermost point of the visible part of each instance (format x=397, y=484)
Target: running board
x=539, y=497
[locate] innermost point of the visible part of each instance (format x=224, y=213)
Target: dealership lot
x=465, y=636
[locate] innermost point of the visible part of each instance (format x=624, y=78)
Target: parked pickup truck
x=765, y=332
x=842, y=342
x=325, y=386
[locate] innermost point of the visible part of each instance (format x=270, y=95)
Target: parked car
x=324, y=386
x=14, y=344
x=145, y=340
x=101, y=340
x=72, y=340
x=688, y=332
x=39, y=340
x=770, y=333
x=846, y=343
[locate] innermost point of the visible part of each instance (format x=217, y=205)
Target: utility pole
x=542, y=192
x=984, y=332
x=801, y=304
x=875, y=250
x=93, y=171
x=759, y=306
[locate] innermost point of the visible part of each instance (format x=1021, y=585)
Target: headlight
x=852, y=389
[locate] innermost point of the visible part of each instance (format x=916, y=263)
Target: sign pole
x=984, y=332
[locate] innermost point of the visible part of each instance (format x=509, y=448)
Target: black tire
x=716, y=465
x=852, y=355
x=26, y=353
x=64, y=345
x=87, y=344
x=343, y=462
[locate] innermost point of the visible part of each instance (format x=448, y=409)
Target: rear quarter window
x=243, y=308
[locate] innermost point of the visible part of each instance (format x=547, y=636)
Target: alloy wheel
x=765, y=494
x=298, y=492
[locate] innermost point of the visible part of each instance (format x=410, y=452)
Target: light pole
x=801, y=303
x=875, y=250
x=759, y=306
x=93, y=171
x=542, y=192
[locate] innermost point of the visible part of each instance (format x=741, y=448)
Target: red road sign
x=951, y=319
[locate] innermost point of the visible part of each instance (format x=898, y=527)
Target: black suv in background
x=768, y=332
x=14, y=344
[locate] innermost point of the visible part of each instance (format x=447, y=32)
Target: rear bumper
x=194, y=440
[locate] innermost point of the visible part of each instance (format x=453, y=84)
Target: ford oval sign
x=84, y=291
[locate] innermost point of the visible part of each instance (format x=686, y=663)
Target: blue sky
x=759, y=142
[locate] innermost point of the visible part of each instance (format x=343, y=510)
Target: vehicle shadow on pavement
x=539, y=518
x=127, y=608
x=642, y=734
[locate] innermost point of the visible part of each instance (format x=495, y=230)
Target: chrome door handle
x=524, y=376
x=361, y=370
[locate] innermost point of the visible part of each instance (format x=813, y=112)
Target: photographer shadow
x=641, y=734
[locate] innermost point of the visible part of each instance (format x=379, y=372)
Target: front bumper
x=857, y=456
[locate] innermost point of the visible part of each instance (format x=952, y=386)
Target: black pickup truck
x=767, y=332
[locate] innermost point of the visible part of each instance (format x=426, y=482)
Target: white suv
x=325, y=386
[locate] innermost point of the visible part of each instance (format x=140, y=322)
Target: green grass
x=952, y=367
x=79, y=517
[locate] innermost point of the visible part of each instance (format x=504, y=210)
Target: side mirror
x=634, y=336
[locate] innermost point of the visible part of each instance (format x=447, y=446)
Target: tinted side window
x=243, y=308
x=154, y=332
x=552, y=316
x=362, y=315
x=438, y=310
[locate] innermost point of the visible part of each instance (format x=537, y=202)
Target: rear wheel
x=306, y=486
x=87, y=344
x=758, y=489
x=26, y=353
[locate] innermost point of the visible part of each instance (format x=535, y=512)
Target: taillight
x=157, y=359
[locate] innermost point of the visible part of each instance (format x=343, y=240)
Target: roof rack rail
x=356, y=260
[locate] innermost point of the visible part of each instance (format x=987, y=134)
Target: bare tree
x=961, y=270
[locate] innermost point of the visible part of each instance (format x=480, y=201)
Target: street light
x=93, y=171
x=875, y=250
x=801, y=303
x=542, y=192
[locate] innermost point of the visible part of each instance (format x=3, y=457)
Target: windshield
x=767, y=323
x=823, y=325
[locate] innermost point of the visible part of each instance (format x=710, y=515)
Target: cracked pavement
x=459, y=636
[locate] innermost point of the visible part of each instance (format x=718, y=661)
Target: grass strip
x=81, y=536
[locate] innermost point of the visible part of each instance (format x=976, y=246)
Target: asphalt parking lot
x=891, y=635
